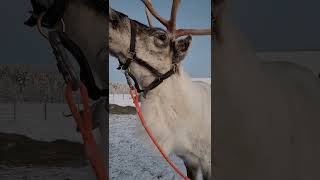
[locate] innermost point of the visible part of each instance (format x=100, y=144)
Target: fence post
x=14, y=111
x=45, y=111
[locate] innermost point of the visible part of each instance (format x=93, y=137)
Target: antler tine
x=171, y=24
x=148, y=15
x=155, y=13
x=173, y=18
x=183, y=32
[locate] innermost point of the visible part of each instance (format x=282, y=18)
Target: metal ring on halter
x=39, y=26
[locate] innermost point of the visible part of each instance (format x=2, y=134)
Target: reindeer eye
x=162, y=37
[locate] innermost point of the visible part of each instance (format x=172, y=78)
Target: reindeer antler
x=148, y=15
x=171, y=23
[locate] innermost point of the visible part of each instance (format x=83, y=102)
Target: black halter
x=132, y=57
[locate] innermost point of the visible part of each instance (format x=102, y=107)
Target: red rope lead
x=85, y=125
x=134, y=96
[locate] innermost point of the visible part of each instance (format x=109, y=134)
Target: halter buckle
x=131, y=55
x=174, y=67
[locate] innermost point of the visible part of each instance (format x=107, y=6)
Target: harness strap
x=158, y=81
x=133, y=33
x=136, y=84
x=86, y=75
x=146, y=65
x=132, y=57
x=131, y=53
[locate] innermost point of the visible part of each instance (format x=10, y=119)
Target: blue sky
x=191, y=14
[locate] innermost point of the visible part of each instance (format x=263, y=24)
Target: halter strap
x=132, y=57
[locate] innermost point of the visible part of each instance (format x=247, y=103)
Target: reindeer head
x=158, y=47
x=42, y=6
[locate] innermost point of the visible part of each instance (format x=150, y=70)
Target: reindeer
x=85, y=24
x=177, y=110
x=266, y=114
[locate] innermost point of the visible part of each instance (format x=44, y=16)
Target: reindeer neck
x=87, y=29
x=175, y=87
x=174, y=102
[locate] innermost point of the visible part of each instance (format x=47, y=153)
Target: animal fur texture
x=266, y=114
x=178, y=111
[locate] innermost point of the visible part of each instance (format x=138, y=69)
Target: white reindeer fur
x=178, y=111
x=267, y=115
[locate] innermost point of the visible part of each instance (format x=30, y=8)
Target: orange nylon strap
x=135, y=96
x=85, y=126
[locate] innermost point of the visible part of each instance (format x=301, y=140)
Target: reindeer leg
x=191, y=170
x=206, y=176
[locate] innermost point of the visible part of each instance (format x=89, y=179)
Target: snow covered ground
x=120, y=99
x=133, y=157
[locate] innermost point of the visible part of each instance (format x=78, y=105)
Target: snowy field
x=120, y=99
x=133, y=157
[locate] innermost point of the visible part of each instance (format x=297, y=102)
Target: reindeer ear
x=181, y=48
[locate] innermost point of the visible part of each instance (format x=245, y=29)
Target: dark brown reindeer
x=177, y=110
